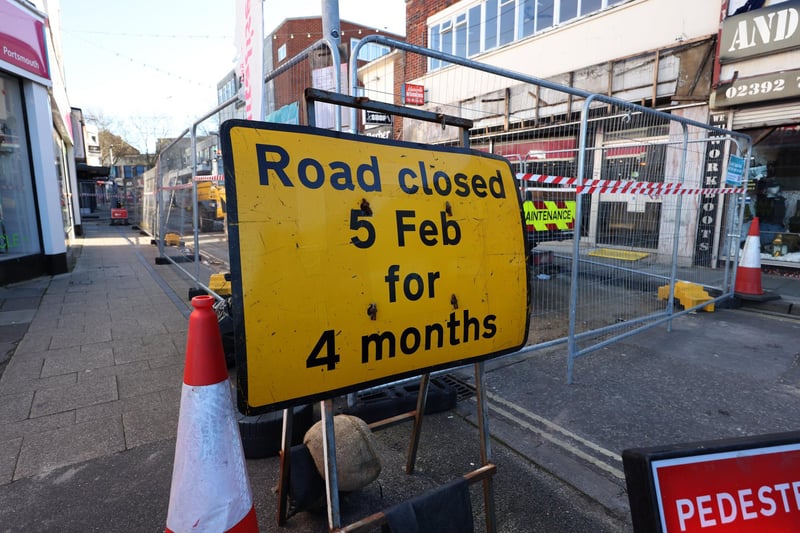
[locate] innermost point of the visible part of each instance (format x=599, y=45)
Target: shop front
x=762, y=97
x=36, y=209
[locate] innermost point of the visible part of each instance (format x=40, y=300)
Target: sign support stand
x=484, y=473
x=422, y=399
x=486, y=444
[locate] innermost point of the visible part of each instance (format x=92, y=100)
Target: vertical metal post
x=422, y=398
x=329, y=454
x=285, y=465
x=159, y=218
x=486, y=445
x=673, y=275
x=732, y=266
x=195, y=210
x=576, y=240
x=331, y=32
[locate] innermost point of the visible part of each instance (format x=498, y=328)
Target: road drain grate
x=463, y=389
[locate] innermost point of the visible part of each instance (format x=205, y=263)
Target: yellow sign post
x=356, y=261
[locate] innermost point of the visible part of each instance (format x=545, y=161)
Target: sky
x=150, y=67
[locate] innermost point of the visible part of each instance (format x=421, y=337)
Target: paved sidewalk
x=97, y=369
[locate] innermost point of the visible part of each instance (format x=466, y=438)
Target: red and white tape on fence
x=215, y=177
x=631, y=187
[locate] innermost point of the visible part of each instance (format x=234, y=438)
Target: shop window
x=775, y=171
x=645, y=163
x=19, y=233
x=632, y=223
x=63, y=184
x=635, y=152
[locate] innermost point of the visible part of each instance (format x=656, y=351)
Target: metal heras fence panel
x=622, y=201
x=662, y=224
x=147, y=206
x=183, y=198
x=190, y=195
x=313, y=67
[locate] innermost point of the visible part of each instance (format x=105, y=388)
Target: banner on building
x=249, y=36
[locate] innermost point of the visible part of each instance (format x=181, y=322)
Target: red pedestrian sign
x=734, y=486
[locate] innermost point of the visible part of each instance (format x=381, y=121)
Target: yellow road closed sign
x=357, y=261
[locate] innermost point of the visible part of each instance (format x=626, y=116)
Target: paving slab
x=43, y=452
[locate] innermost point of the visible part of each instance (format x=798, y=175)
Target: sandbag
x=357, y=462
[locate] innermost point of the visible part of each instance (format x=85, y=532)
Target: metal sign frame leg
x=422, y=399
x=486, y=445
x=285, y=465
x=329, y=454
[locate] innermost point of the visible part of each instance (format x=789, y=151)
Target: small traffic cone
x=748, y=274
x=210, y=488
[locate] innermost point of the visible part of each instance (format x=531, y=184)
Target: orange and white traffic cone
x=748, y=274
x=210, y=488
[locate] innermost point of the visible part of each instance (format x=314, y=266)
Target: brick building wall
x=417, y=13
x=297, y=34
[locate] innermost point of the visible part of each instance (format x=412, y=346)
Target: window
x=568, y=10
x=527, y=15
x=544, y=14
x=590, y=6
x=492, y=23
x=507, y=16
x=474, y=31
x=19, y=233
x=434, y=43
x=490, y=26
x=282, y=52
x=460, y=49
x=447, y=37
x=370, y=51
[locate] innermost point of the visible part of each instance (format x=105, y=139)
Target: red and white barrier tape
x=215, y=177
x=632, y=187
